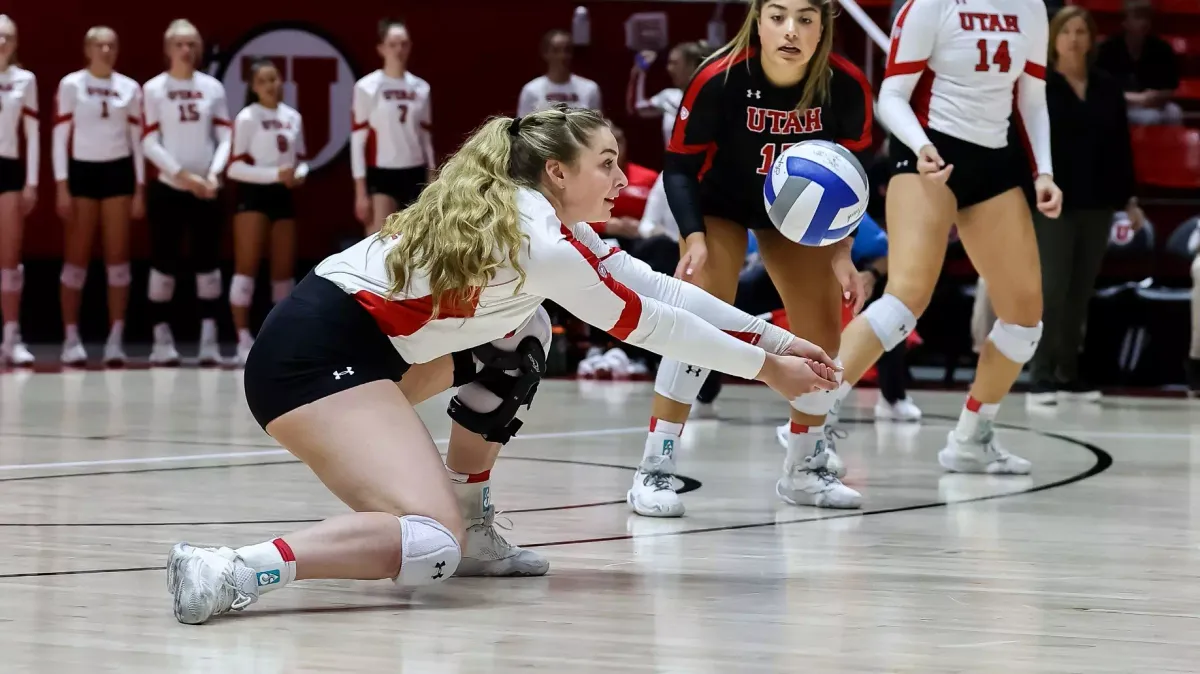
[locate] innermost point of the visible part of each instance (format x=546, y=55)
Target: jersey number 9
x=188, y=112
x=281, y=142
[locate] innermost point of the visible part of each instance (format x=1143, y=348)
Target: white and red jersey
x=97, y=119
x=542, y=94
x=19, y=114
x=953, y=67
x=266, y=140
x=185, y=125
x=393, y=122
x=572, y=267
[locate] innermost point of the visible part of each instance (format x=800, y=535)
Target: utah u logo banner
x=317, y=80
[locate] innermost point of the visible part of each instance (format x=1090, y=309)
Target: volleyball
x=816, y=193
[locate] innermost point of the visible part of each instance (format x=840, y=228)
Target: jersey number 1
x=768, y=157
x=104, y=109
x=1001, y=58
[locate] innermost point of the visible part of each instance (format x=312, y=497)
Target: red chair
x=1167, y=156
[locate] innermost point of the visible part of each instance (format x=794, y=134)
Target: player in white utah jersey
x=682, y=63
x=559, y=86
x=97, y=152
x=391, y=145
x=957, y=72
x=268, y=162
x=449, y=293
x=18, y=185
x=186, y=134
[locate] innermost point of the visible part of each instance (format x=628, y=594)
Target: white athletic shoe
x=114, y=352
x=210, y=349
x=815, y=487
x=826, y=455
x=703, y=411
x=243, y=351
x=12, y=350
x=73, y=354
x=486, y=553
x=982, y=455
x=208, y=581
x=901, y=410
x=164, y=352
x=652, y=495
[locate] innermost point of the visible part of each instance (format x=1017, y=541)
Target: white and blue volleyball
x=816, y=193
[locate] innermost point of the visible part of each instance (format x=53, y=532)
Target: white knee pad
x=1017, y=343
x=818, y=403
x=241, y=290
x=208, y=285
x=679, y=381
x=1196, y=267
x=119, y=275
x=430, y=553
x=73, y=276
x=12, y=280
x=281, y=289
x=161, y=287
x=475, y=395
x=891, y=320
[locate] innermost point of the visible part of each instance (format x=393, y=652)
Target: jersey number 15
x=188, y=112
x=768, y=157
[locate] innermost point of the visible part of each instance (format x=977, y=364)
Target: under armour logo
x=348, y=372
x=439, y=566
x=692, y=370
x=902, y=164
x=753, y=93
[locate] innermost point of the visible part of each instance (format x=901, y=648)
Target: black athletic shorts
x=101, y=180
x=12, y=175
x=273, y=200
x=980, y=173
x=403, y=185
x=316, y=342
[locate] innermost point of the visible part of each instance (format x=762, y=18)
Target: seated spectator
x=559, y=84
x=1145, y=65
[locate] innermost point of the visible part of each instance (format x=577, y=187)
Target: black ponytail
x=259, y=64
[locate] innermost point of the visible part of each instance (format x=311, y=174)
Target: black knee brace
x=501, y=424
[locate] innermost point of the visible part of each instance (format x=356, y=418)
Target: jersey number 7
x=1000, y=58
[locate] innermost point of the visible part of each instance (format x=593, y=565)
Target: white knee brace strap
x=281, y=289
x=161, y=287
x=679, y=381
x=208, y=285
x=73, y=276
x=119, y=275
x=241, y=290
x=1017, y=343
x=818, y=403
x=891, y=320
x=475, y=395
x=430, y=553
x=12, y=280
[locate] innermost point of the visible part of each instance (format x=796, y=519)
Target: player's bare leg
x=677, y=384
x=381, y=207
x=114, y=224
x=79, y=231
x=249, y=237
x=12, y=280
x=999, y=238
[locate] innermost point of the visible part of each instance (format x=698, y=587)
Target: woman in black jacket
x=1093, y=159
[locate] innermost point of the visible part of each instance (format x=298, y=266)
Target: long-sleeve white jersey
x=185, y=126
x=542, y=94
x=953, y=66
x=572, y=267
x=19, y=113
x=264, y=141
x=393, y=124
x=97, y=119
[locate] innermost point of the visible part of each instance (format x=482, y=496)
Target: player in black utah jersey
x=776, y=84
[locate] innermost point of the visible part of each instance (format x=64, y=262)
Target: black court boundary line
x=1104, y=461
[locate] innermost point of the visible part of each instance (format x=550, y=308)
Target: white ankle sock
x=661, y=443
x=474, y=493
x=976, y=418
x=802, y=443
x=116, y=332
x=12, y=330
x=1195, y=350
x=71, y=334
x=244, y=336
x=273, y=563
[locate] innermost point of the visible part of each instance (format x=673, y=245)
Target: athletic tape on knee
x=891, y=320
x=818, y=403
x=429, y=554
x=73, y=276
x=679, y=381
x=161, y=287
x=1017, y=343
x=281, y=289
x=208, y=285
x=12, y=280
x=119, y=275
x=241, y=290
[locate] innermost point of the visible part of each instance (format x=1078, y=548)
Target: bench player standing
x=268, y=161
x=391, y=145
x=97, y=151
x=948, y=98
x=776, y=84
x=18, y=185
x=186, y=135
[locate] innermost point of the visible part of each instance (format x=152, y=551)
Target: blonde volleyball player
x=947, y=97
x=18, y=186
x=776, y=84
x=391, y=145
x=186, y=135
x=450, y=293
x=98, y=167
x=267, y=164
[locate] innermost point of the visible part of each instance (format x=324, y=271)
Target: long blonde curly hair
x=465, y=225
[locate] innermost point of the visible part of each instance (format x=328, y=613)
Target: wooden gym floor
x=1090, y=565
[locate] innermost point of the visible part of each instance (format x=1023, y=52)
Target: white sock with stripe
x=273, y=562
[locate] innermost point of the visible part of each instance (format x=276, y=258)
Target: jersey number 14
x=1001, y=58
